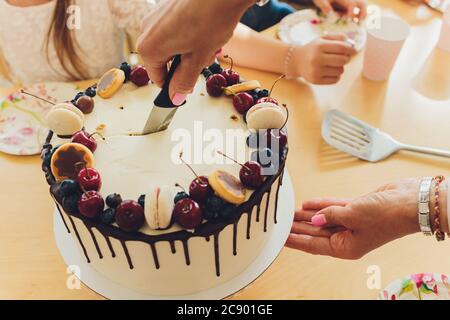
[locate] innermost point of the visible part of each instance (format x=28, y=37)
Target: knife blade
x=163, y=109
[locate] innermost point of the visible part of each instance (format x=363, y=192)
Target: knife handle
x=163, y=99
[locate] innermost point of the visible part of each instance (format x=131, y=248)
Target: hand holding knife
x=163, y=110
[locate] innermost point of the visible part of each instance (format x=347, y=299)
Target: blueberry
x=69, y=187
x=50, y=178
x=227, y=211
x=78, y=96
x=56, y=192
x=215, y=68
x=70, y=203
x=126, y=68
x=91, y=92
x=214, y=204
x=113, y=200
x=47, y=158
x=263, y=93
x=141, y=200
x=207, y=73
x=108, y=216
x=210, y=215
x=179, y=196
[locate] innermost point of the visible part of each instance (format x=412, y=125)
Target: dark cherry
x=230, y=75
x=251, y=175
x=242, y=102
x=86, y=104
x=86, y=139
x=91, y=204
x=139, y=76
x=215, y=85
x=187, y=213
x=89, y=179
x=113, y=200
x=200, y=190
x=130, y=216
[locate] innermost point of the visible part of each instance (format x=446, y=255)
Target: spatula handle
x=435, y=152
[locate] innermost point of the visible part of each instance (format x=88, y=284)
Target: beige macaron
x=64, y=119
x=159, y=207
x=266, y=115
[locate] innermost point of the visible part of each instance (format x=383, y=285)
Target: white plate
x=421, y=286
x=304, y=26
x=22, y=118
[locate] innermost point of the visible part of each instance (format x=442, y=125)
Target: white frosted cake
x=120, y=194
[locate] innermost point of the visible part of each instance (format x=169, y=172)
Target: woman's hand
x=349, y=229
x=196, y=29
x=322, y=61
x=350, y=8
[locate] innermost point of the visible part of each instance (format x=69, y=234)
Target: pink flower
x=418, y=279
x=12, y=141
x=26, y=131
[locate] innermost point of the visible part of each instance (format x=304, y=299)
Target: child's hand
x=322, y=61
x=350, y=8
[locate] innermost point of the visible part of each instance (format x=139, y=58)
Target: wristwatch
x=262, y=2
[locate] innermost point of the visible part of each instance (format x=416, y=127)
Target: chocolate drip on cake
x=172, y=247
x=186, y=252
x=276, y=200
x=258, y=212
x=155, y=255
x=108, y=242
x=62, y=216
x=216, y=253
x=127, y=254
x=205, y=230
x=79, y=239
x=94, y=239
x=267, y=210
x=235, y=226
x=249, y=223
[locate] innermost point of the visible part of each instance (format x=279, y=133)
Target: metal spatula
x=350, y=135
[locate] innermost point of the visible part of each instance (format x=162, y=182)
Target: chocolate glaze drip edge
x=205, y=230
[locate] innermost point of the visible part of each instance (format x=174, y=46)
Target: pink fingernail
x=319, y=220
x=178, y=99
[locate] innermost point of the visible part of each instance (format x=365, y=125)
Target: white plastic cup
x=384, y=42
x=444, y=39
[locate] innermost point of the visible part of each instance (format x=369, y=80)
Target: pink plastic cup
x=444, y=39
x=384, y=43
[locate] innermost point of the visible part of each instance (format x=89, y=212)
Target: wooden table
x=31, y=267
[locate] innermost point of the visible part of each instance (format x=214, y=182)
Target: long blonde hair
x=64, y=42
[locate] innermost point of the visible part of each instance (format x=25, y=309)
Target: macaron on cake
x=266, y=115
x=64, y=119
x=160, y=214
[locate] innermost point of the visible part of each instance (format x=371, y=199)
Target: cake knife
x=163, y=109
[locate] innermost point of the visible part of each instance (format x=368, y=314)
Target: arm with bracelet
x=351, y=228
